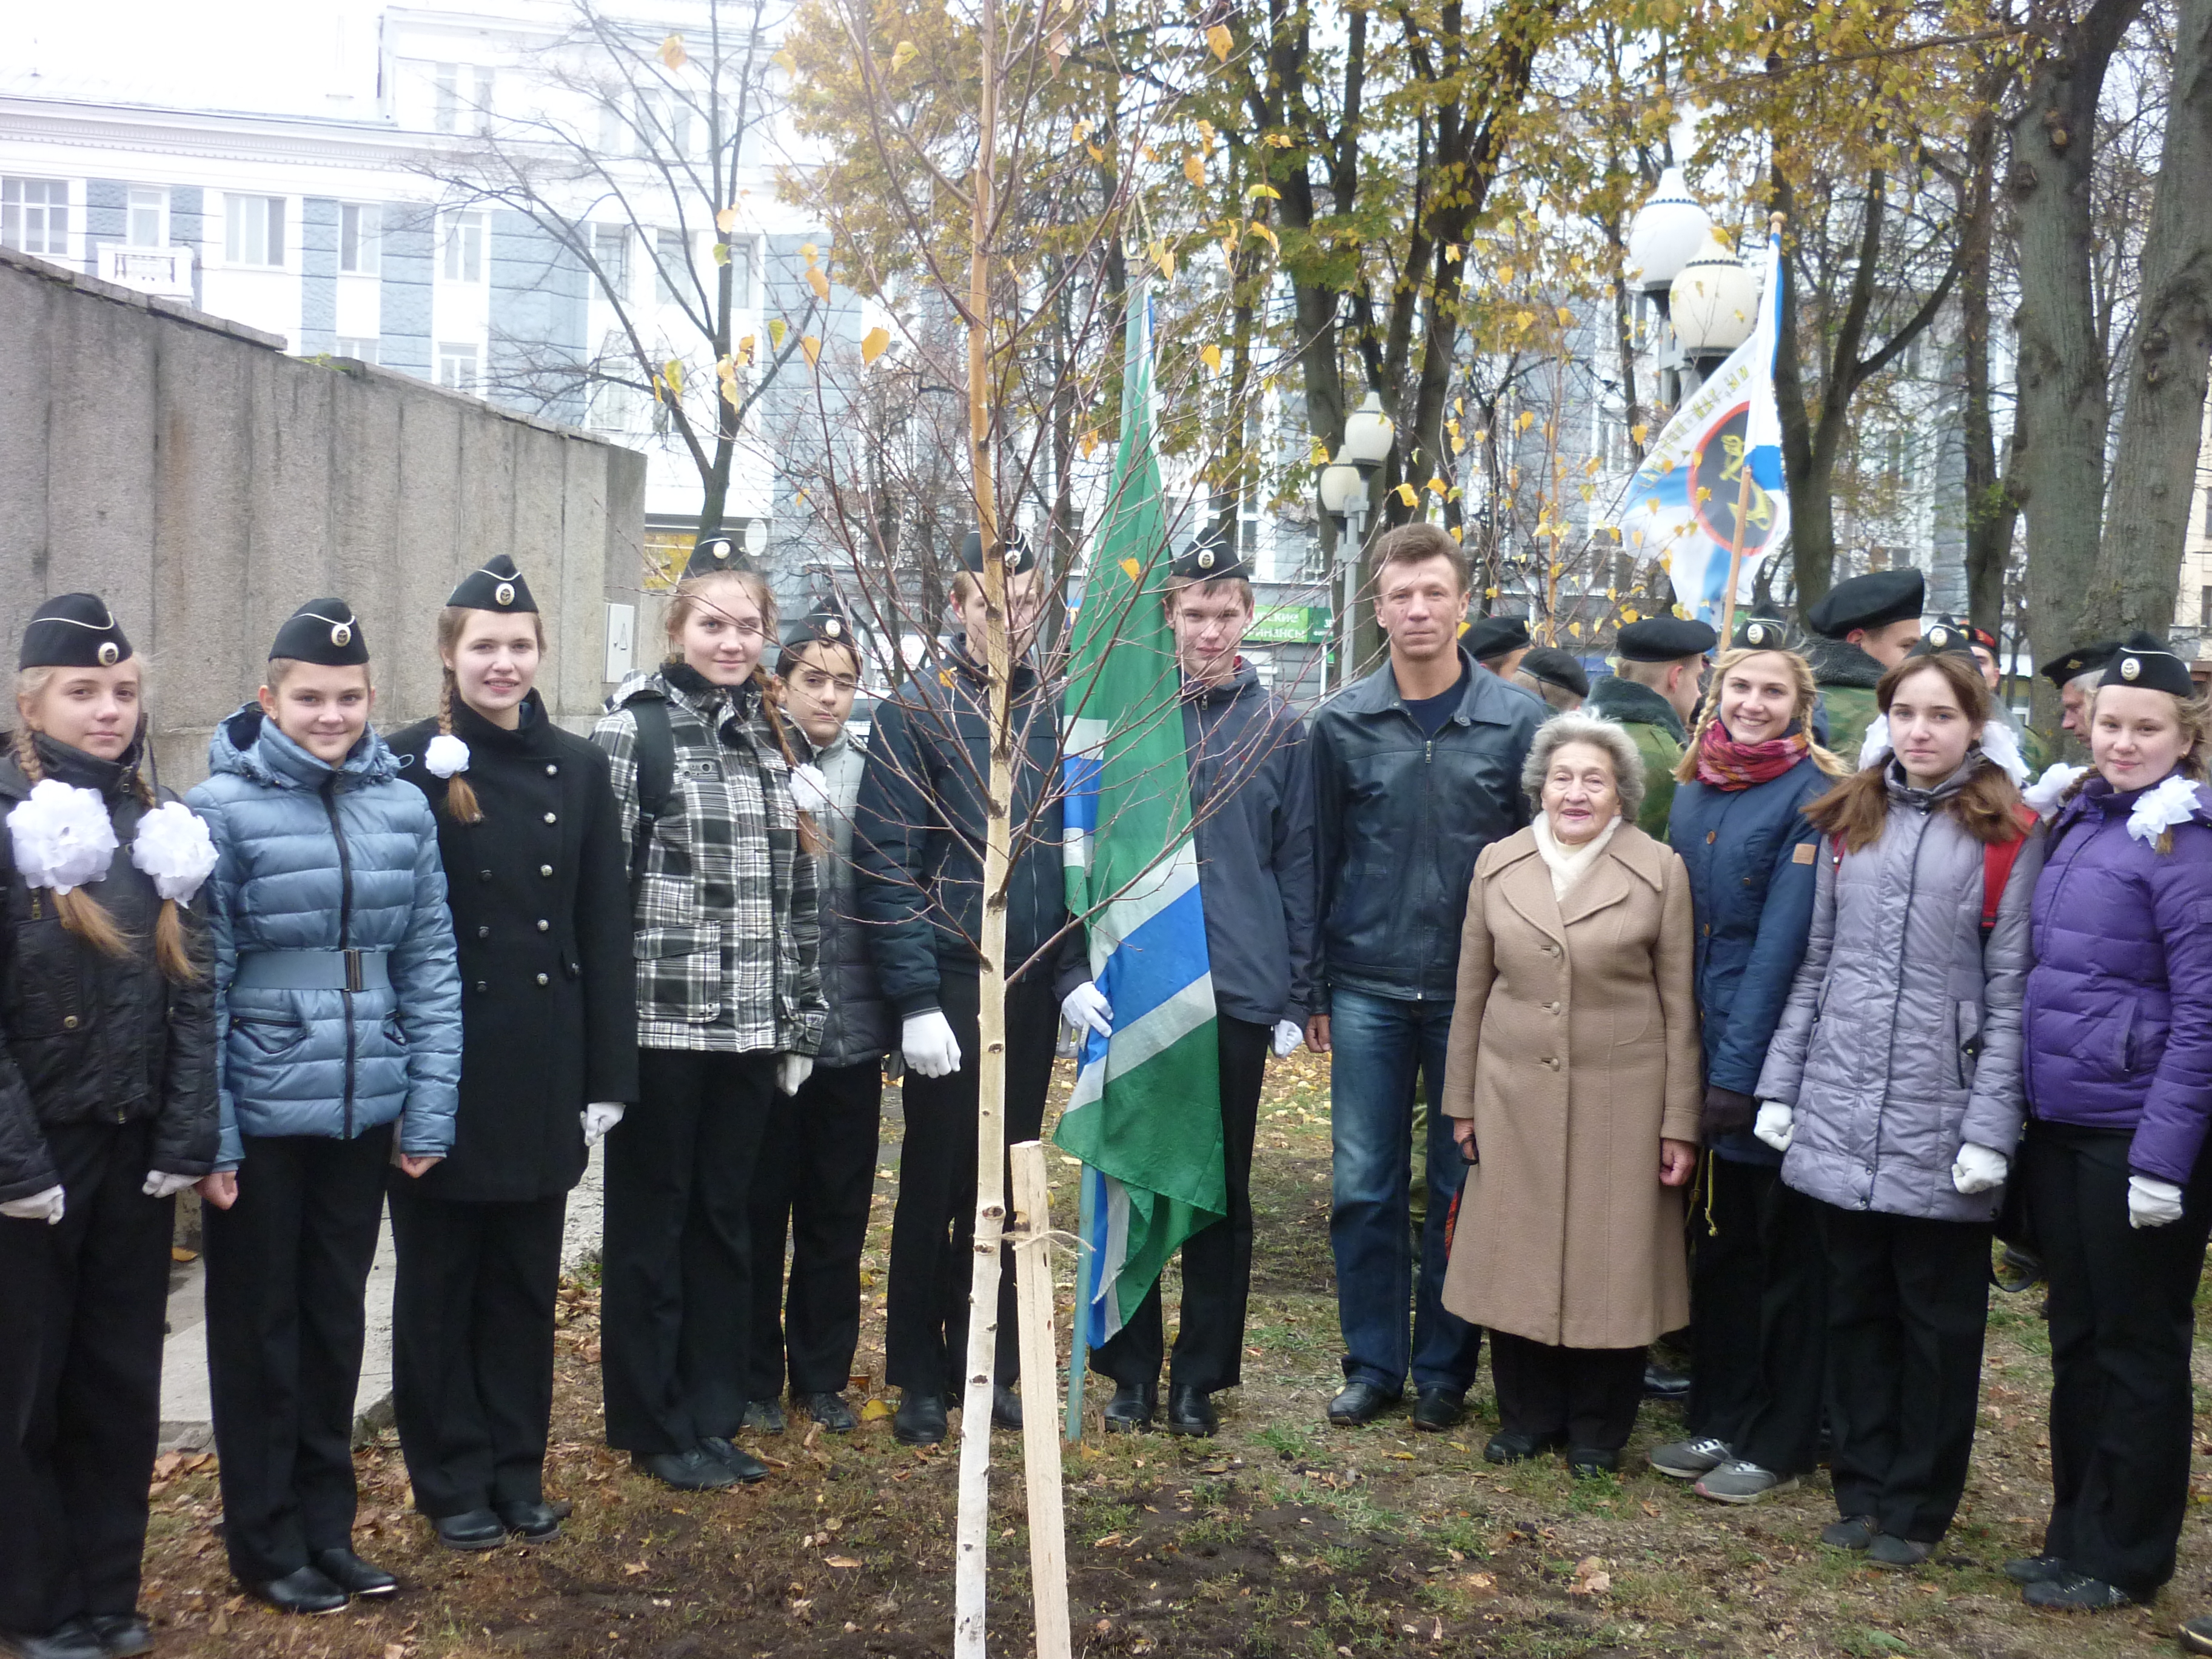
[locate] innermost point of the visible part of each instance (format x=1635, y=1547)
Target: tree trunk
x=1990, y=512
x=2058, y=436
x=2161, y=429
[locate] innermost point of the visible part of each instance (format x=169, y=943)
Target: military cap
x=2082, y=659
x=711, y=555
x=1493, y=636
x=2147, y=663
x=1556, y=667
x=1983, y=637
x=73, y=630
x=1212, y=553
x=1018, y=555
x=1946, y=636
x=325, y=632
x=1762, y=633
x=1874, y=600
x=495, y=584
x=1664, y=638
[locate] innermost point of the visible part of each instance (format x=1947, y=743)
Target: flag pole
x=1078, y=1341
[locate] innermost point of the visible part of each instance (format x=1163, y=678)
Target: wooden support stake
x=1039, y=1389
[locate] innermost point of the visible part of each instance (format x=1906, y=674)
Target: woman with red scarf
x=1758, y=1314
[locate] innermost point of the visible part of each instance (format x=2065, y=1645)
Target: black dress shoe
x=1662, y=1382
x=122, y=1635
x=531, y=1519
x=742, y=1466
x=1584, y=1461
x=1131, y=1409
x=1437, y=1410
x=353, y=1574
x=1189, y=1412
x=1359, y=1402
x=1512, y=1446
x=2195, y=1636
x=1006, y=1407
x=74, y=1639
x=305, y=1591
x=829, y=1410
x=471, y=1529
x=691, y=1470
x=920, y=1420
x=2076, y=1592
x=2035, y=1569
x=764, y=1416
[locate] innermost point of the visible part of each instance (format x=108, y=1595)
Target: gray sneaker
x=1685, y=1459
x=1738, y=1482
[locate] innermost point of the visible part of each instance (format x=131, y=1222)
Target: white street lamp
x=1665, y=235
x=1714, y=304
x=1368, y=436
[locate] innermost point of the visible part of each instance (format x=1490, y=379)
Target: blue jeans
x=1376, y=1045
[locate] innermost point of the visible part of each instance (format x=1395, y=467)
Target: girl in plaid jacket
x=729, y=1008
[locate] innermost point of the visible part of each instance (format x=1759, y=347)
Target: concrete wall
x=208, y=484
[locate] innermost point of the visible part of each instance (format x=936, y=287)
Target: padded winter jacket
x=317, y=858
x=2119, y=1005
x=89, y=1038
x=1901, y=1040
x=859, y=1027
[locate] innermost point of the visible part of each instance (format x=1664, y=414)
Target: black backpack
x=655, y=755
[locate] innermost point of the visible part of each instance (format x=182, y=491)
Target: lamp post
x=1713, y=305
x=1344, y=496
x=1664, y=236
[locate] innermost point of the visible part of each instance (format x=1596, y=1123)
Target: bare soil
x=1280, y=1537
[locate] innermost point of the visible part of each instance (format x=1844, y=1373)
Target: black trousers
x=2122, y=1320
x=1759, y=1322
x=81, y=1308
x=288, y=1267
x=933, y=1228
x=1908, y=1299
x=1216, y=1264
x=817, y=1171
x=472, y=1346
x=1588, y=1395
x=675, y=1305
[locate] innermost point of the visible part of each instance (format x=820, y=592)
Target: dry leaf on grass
x=1590, y=1577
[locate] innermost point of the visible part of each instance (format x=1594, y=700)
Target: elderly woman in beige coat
x=1574, y=1074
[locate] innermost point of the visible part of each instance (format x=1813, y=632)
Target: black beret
x=712, y=554
x=73, y=630
x=1875, y=600
x=1762, y=633
x=1664, y=638
x=1946, y=636
x=1556, y=667
x=2145, y=662
x=495, y=584
x=2082, y=659
x=1211, y=554
x=1018, y=556
x=1493, y=636
x=324, y=632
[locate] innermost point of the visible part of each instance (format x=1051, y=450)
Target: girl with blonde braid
x=108, y=1110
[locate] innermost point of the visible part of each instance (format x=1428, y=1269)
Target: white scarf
x=1568, y=865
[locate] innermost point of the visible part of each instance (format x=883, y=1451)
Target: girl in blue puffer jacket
x=339, y=1053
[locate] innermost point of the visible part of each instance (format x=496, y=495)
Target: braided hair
x=1801, y=677
x=453, y=622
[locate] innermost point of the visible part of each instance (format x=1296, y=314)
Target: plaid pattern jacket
x=728, y=929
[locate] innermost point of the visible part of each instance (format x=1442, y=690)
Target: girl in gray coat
x=1893, y=1087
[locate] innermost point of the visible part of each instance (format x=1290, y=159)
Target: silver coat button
x=551, y=818
x=544, y=926
x=542, y=980
x=550, y=770
x=546, y=871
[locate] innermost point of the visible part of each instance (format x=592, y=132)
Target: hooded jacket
x=1901, y=1040
x=313, y=857
x=1400, y=818
x=1657, y=732
x=89, y=1038
x=858, y=1028
x=1847, y=677
x=2119, y=1005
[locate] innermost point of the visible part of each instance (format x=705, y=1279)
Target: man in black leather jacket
x=1417, y=769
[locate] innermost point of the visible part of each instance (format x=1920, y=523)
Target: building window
x=34, y=215
x=457, y=367
x=361, y=230
x=465, y=236
x=361, y=350
x=460, y=98
x=253, y=230
x=614, y=407
x=672, y=261
x=2204, y=608
x=611, y=252
x=144, y=224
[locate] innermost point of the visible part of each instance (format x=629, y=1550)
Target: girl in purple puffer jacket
x=2118, y=1039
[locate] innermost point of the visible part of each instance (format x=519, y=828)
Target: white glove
x=1085, y=1007
x=930, y=1048
x=1288, y=1035
x=792, y=1071
x=2151, y=1202
x=159, y=1185
x=1776, y=1125
x=810, y=793
x=46, y=1206
x=1979, y=1169
x=600, y=1116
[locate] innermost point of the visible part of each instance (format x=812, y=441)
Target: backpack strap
x=655, y=754
x=1997, y=860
